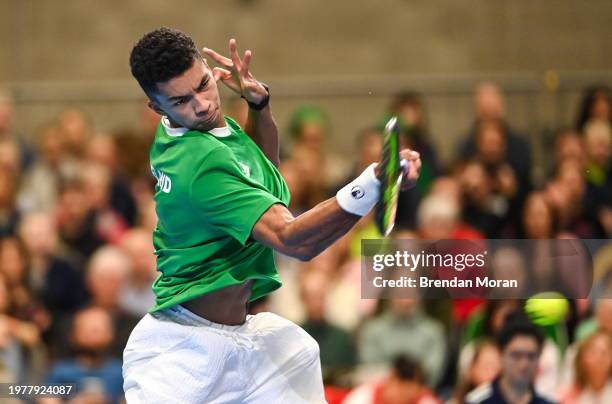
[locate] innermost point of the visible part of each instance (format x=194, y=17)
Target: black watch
x=263, y=103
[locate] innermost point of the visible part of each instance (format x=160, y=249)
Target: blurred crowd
x=77, y=262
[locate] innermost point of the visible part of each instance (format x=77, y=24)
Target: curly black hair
x=161, y=55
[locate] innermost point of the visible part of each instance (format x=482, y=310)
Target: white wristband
x=360, y=195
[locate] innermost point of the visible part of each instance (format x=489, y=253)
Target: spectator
x=107, y=273
x=338, y=352
x=478, y=200
x=438, y=218
x=598, y=145
x=602, y=320
x=483, y=368
x=76, y=219
x=9, y=215
x=568, y=145
x=97, y=377
x=520, y=344
x=9, y=135
x=40, y=183
x=54, y=279
x=102, y=149
x=596, y=105
x=403, y=328
x=489, y=105
x=539, y=221
x=405, y=384
x=593, y=371
x=310, y=128
x=483, y=325
x=408, y=106
x=137, y=295
x=14, y=266
x=19, y=342
x=75, y=131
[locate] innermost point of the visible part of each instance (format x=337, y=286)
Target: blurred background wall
x=347, y=56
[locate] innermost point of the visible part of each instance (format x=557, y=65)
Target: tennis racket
x=390, y=178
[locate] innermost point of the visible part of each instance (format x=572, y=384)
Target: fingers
x=246, y=61
x=222, y=60
x=234, y=54
x=220, y=73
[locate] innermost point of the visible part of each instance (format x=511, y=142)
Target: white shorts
x=175, y=356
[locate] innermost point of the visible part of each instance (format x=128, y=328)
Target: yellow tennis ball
x=547, y=308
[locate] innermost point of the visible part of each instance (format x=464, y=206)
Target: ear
x=155, y=107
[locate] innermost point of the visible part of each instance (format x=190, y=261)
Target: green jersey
x=211, y=189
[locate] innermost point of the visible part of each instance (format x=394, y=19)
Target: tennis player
x=222, y=210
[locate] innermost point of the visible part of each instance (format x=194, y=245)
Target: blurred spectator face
x=474, y=183
x=560, y=197
x=370, y=149
x=448, y=188
x=520, y=360
x=537, y=217
x=137, y=244
x=107, y=273
x=603, y=314
x=570, y=176
x=12, y=261
x=39, y=234
x=598, y=143
x=7, y=188
x=489, y=102
x=314, y=285
x=486, y=365
x=601, y=108
x=75, y=130
x=92, y=331
x=569, y=145
x=312, y=135
x=508, y=264
x=491, y=142
x=97, y=181
x=6, y=113
x=411, y=113
x=9, y=156
x=102, y=149
x=50, y=145
x=437, y=217
x=74, y=203
x=594, y=360
x=403, y=307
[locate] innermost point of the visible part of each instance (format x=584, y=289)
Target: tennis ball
x=547, y=308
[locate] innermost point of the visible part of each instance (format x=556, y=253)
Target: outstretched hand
x=235, y=73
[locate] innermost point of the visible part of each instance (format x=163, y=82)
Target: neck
x=515, y=392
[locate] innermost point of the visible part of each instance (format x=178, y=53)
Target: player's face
x=190, y=100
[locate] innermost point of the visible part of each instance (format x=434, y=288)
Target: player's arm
x=307, y=235
x=236, y=74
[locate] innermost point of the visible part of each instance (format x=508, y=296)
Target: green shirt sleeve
x=225, y=198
